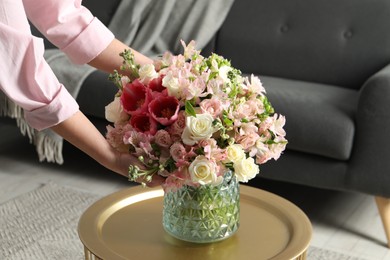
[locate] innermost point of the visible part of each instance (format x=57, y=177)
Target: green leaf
x=213, y=75
x=227, y=121
x=189, y=109
x=170, y=165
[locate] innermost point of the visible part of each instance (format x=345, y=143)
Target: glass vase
x=203, y=214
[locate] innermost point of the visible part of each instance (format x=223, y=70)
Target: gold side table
x=128, y=225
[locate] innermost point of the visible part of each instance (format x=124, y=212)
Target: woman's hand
x=125, y=160
x=80, y=132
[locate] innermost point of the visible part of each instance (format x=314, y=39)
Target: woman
x=27, y=79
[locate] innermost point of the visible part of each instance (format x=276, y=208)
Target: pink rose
x=114, y=137
x=163, y=139
x=176, y=129
x=248, y=140
x=178, y=152
x=212, y=106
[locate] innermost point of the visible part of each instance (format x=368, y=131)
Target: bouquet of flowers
x=191, y=119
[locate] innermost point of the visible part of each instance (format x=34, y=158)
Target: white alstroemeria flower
x=147, y=72
x=199, y=127
x=246, y=169
x=204, y=171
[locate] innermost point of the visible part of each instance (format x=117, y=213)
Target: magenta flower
x=143, y=122
x=164, y=109
x=135, y=97
x=156, y=84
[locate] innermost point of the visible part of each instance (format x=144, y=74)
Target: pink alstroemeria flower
x=135, y=97
x=144, y=123
x=164, y=109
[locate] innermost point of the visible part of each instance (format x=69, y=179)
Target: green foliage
x=189, y=108
x=129, y=65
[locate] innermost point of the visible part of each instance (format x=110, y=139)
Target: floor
x=343, y=222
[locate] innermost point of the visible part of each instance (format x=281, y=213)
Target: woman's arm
x=109, y=60
x=74, y=30
x=81, y=133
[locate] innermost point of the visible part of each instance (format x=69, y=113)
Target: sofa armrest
x=374, y=97
x=370, y=159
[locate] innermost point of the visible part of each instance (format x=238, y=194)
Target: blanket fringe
x=25, y=129
x=9, y=109
x=48, y=146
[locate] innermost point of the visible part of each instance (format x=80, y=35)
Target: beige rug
x=42, y=225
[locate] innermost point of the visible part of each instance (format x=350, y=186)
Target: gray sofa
x=325, y=66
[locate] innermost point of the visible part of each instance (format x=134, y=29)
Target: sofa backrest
x=102, y=9
x=338, y=42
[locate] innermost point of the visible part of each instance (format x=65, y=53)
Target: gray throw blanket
x=149, y=26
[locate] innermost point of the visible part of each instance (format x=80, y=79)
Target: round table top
x=128, y=225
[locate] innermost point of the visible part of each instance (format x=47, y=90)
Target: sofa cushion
x=319, y=118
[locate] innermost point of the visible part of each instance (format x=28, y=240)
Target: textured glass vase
x=203, y=214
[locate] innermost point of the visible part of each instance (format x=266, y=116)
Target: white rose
x=235, y=153
x=172, y=84
x=147, y=72
x=246, y=169
x=198, y=128
x=114, y=112
x=204, y=171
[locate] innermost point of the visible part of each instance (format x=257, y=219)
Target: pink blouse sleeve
x=25, y=77
x=70, y=26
